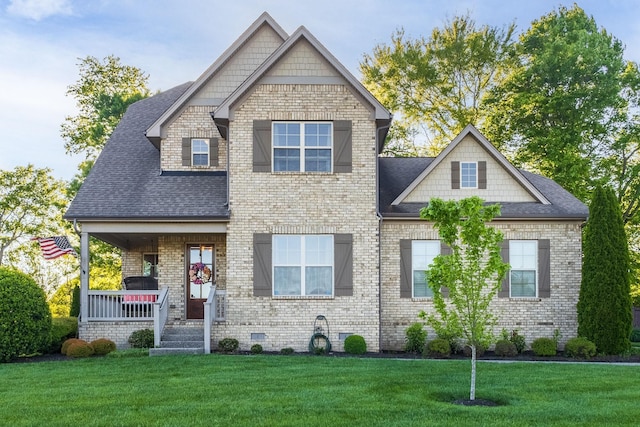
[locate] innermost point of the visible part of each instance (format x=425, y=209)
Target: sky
x=174, y=41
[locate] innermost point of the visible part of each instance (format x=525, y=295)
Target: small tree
x=472, y=273
x=604, y=305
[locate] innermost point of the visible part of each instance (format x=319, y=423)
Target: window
x=523, y=258
x=422, y=254
x=303, y=264
x=468, y=175
x=199, y=152
x=150, y=265
x=302, y=147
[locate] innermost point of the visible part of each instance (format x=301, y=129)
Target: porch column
x=84, y=277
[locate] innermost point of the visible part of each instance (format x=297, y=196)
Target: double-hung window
x=302, y=264
x=302, y=146
x=468, y=175
x=523, y=258
x=422, y=254
x=199, y=152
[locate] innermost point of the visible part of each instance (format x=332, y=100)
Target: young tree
x=472, y=273
x=437, y=85
x=604, y=305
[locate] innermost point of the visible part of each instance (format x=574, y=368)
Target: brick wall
x=533, y=317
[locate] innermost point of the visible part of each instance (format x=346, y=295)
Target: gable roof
x=493, y=152
x=224, y=112
x=126, y=182
x=155, y=130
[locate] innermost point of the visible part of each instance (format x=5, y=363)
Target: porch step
x=180, y=340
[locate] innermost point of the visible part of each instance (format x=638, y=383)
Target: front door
x=200, y=277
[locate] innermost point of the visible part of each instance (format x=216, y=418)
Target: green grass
x=269, y=390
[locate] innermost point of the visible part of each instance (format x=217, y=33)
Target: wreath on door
x=199, y=273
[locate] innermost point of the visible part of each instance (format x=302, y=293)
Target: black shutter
x=186, y=151
x=405, y=269
x=455, y=175
x=482, y=175
x=544, y=268
x=262, y=145
x=342, y=146
x=445, y=250
x=213, y=152
x=504, y=251
x=262, y=282
x=343, y=264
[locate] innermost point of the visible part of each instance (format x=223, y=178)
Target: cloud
x=39, y=9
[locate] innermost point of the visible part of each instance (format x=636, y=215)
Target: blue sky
x=174, y=41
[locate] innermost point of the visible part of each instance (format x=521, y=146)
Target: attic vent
x=343, y=335
x=258, y=336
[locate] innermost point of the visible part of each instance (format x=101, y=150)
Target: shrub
x=25, y=319
x=67, y=343
x=75, y=302
x=505, y=348
x=287, y=350
x=635, y=335
x=103, y=346
x=228, y=345
x=355, y=344
x=80, y=349
x=480, y=349
x=415, y=337
x=62, y=328
x=439, y=347
x=518, y=340
x=142, y=338
x=256, y=349
x=544, y=347
x=580, y=347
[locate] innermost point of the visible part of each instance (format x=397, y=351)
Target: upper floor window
x=199, y=152
x=468, y=175
x=302, y=146
x=303, y=264
x=523, y=258
x=422, y=254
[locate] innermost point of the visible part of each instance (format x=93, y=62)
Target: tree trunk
x=472, y=393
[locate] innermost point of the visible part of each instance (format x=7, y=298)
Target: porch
x=115, y=314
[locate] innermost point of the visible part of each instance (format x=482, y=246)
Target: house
x=257, y=197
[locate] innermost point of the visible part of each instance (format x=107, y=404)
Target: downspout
x=380, y=219
x=220, y=124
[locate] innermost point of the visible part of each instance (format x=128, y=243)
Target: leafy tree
x=437, y=85
x=559, y=104
x=31, y=205
x=472, y=273
x=604, y=305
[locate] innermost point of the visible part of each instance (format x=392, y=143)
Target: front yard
x=312, y=391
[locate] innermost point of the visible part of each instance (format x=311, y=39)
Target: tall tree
x=472, y=273
x=437, y=85
x=604, y=305
x=559, y=104
x=31, y=205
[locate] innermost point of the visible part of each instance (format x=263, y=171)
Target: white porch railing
x=160, y=315
x=122, y=305
x=215, y=309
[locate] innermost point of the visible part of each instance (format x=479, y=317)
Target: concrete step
x=164, y=351
x=183, y=336
x=182, y=344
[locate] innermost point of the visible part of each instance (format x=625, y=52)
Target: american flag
x=54, y=247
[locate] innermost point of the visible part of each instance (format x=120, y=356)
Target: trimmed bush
x=635, y=335
x=355, y=344
x=439, y=348
x=103, y=346
x=286, y=351
x=518, y=340
x=479, y=350
x=505, y=348
x=67, y=343
x=80, y=349
x=228, y=345
x=580, y=347
x=25, y=319
x=256, y=349
x=415, y=338
x=544, y=347
x=62, y=328
x=142, y=338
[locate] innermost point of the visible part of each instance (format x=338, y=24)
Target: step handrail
x=160, y=315
x=209, y=316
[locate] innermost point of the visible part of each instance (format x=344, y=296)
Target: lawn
x=269, y=390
